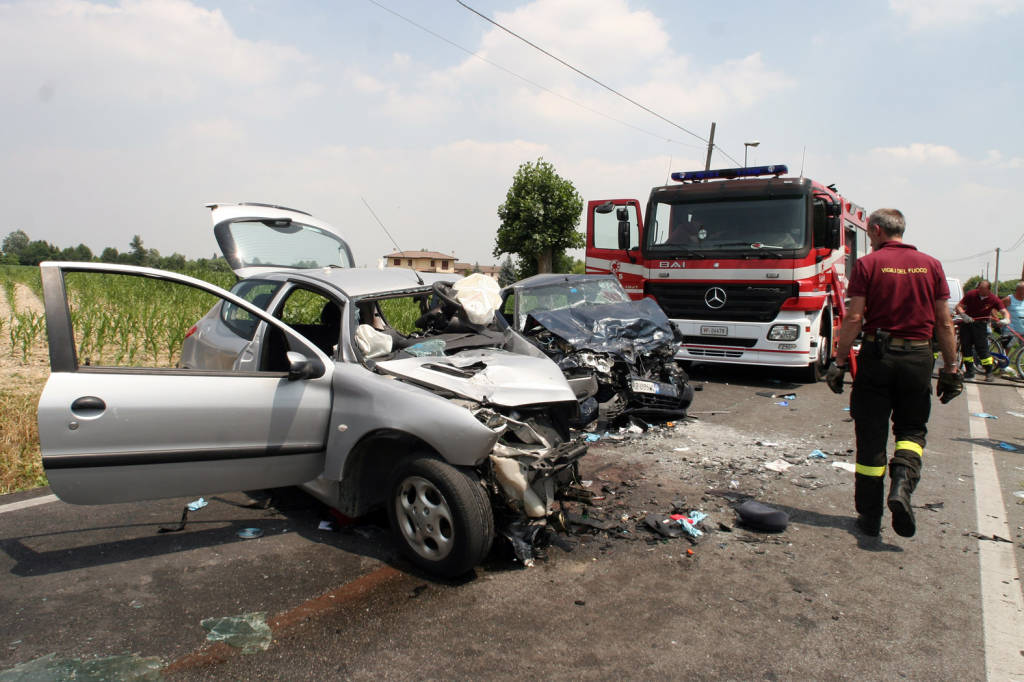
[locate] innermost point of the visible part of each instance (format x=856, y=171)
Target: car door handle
x=88, y=406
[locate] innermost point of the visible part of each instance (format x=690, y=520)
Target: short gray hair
x=890, y=220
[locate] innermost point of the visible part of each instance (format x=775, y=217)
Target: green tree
x=109, y=255
x=38, y=251
x=14, y=243
x=138, y=251
x=539, y=218
x=507, y=273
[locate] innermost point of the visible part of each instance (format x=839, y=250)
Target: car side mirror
x=606, y=207
x=299, y=366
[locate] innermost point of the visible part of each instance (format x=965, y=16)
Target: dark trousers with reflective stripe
x=974, y=338
x=893, y=386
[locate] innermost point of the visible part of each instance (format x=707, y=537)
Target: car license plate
x=655, y=387
x=714, y=331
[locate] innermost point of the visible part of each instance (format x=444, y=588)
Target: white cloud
x=919, y=153
x=927, y=14
x=627, y=50
x=995, y=159
x=137, y=50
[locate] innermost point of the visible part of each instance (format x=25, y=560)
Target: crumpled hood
x=490, y=376
x=637, y=326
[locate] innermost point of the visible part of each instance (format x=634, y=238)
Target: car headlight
x=784, y=332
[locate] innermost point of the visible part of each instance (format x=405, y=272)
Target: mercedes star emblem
x=714, y=298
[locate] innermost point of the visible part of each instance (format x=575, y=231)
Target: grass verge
x=20, y=465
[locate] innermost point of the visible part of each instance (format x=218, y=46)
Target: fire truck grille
x=742, y=302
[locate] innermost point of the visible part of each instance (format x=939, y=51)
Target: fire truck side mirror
x=624, y=235
x=835, y=232
x=606, y=207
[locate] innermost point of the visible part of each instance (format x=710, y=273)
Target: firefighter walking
x=898, y=298
x=977, y=308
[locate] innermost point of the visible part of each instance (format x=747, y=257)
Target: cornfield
x=117, y=320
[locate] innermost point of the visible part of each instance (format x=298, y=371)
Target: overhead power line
x=593, y=80
x=527, y=80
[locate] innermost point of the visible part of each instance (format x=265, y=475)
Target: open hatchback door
x=258, y=238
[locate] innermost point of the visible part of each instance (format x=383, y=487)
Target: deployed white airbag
x=480, y=296
x=371, y=342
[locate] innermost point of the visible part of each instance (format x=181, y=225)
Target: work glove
x=834, y=377
x=964, y=317
x=949, y=386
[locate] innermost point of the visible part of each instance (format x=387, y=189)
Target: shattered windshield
x=570, y=294
x=760, y=226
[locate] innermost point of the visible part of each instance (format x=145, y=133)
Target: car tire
x=441, y=516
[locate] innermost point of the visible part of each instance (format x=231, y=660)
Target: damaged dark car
x=591, y=328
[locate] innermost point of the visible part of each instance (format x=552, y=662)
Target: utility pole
x=711, y=145
x=995, y=285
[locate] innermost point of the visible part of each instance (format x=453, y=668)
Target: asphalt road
x=814, y=602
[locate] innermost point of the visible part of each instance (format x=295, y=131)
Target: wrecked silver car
x=369, y=388
x=591, y=328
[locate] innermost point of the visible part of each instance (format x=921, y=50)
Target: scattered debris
x=248, y=632
x=1019, y=493
x=779, y=465
x=784, y=403
x=932, y=506
x=49, y=667
x=984, y=415
x=1015, y=414
x=981, y=536
x=194, y=505
x=817, y=454
x=1007, y=446
x=593, y=437
x=249, y=533
x=325, y=525
x=762, y=517
x=845, y=466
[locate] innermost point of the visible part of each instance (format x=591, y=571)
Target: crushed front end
x=629, y=348
x=534, y=462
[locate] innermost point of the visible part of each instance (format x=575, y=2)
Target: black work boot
x=868, y=492
x=899, y=501
x=989, y=375
x=869, y=525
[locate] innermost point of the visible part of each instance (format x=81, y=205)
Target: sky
x=126, y=117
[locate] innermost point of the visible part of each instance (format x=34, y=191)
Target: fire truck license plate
x=714, y=331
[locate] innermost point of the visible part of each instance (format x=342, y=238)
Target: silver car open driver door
x=118, y=434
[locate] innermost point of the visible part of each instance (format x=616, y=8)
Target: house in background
x=424, y=261
x=466, y=269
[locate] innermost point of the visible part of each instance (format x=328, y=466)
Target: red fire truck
x=750, y=264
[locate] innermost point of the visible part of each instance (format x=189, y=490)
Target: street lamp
x=745, y=145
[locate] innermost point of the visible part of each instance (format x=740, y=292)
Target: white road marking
x=25, y=504
x=1001, y=603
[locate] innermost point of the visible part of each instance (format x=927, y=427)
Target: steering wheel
x=444, y=291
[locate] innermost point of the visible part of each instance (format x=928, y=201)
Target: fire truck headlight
x=784, y=332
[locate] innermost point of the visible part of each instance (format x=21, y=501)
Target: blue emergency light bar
x=730, y=173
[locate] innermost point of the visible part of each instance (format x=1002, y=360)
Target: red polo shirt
x=978, y=307
x=901, y=285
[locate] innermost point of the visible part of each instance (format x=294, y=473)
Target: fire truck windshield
x=759, y=227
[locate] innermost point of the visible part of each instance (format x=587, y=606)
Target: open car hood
x=258, y=238
x=494, y=377
x=638, y=326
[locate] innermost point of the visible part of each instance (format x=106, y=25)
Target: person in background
x=1015, y=307
x=977, y=308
